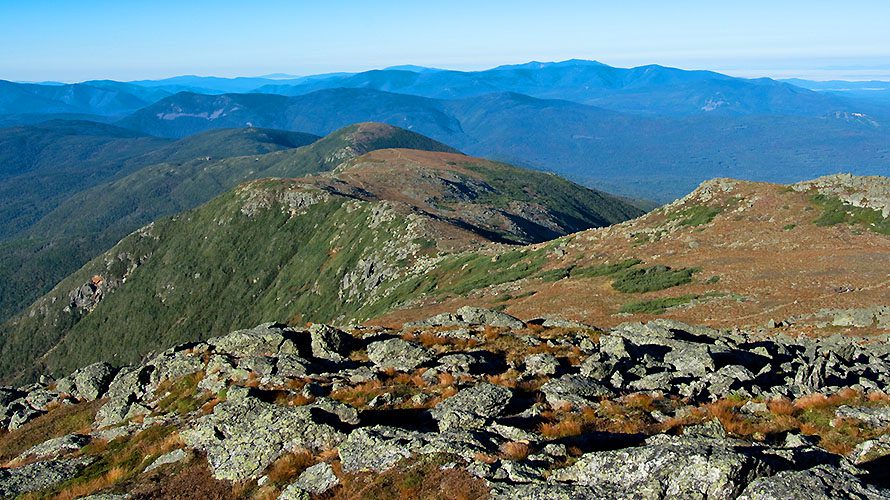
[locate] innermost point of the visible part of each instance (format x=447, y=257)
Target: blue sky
x=73, y=40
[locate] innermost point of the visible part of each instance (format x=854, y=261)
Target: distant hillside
x=810, y=259
x=71, y=190
x=321, y=247
x=41, y=165
x=648, y=157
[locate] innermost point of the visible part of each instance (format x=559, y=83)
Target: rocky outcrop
x=397, y=354
x=820, y=482
x=242, y=437
x=39, y=475
x=682, y=468
x=568, y=413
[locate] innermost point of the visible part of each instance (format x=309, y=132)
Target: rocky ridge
x=480, y=401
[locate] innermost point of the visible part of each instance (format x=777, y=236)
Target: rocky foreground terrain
x=468, y=404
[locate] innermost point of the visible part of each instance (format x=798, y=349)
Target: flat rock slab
x=683, y=468
x=243, y=437
x=38, y=476
x=820, y=482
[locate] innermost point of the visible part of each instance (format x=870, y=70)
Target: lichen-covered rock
x=166, y=459
x=541, y=364
x=377, y=448
x=262, y=340
x=544, y=491
x=345, y=413
x=472, y=407
x=329, y=343
x=871, y=449
x=55, y=447
x=872, y=416
x=92, y=381
x=39, y=475
x=397, y=354
x=479, y=316
x=469, y=315
x=316, y=479
x=573, y=389
x=128, y=387
x=682, y=468
x=241, y=438
x=820, y=482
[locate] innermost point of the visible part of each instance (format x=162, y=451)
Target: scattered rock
x=317, y=479
x=56, y=447
x=397, y=354
x=541, y=364
x=681, y=468
x=576, y=390
x=329, y=343
x=472, y=407
x=241, y=438
x=167, y=458
x=820, y=482
x=877, y=416
x=39, y=475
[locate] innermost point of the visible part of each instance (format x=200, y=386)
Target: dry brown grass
x=515, y=450
x=108, y=479
x=289, y=466
x=569, y=426
x=76, y=418
x=878, y=397
x=446, y=379
x=192, y=481
x=421, y=478
x=490, y=333
x=780, y=407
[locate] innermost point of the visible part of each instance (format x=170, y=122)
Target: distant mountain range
x=654, y=157
x=651, y=131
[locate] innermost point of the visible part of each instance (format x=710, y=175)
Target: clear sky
x=74, y=40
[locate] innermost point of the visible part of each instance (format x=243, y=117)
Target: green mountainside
x=74, y=189
x=329, y=246
x=172, y=178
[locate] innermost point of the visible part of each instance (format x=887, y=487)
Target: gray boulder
x=329, y=343
x=541, y=364
x=166, y=459
x=127, y=388
x=469, y=315
x=291, y=366
x=91, y=382
x=681, y=468
x=544, y=491
x=56, y=446
x=398, y=354
x=690, y=359
x=38, y=476
x=876, y=416
x=472, y=407
x=871, y=449
x=572, y=389
x=479, y=316
x=262, y=340
x=820, y=482
x=21, y=415
x=316, y=479
x=241, y=438
x=377, y=448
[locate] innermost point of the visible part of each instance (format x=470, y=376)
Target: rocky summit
x=472, y=403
